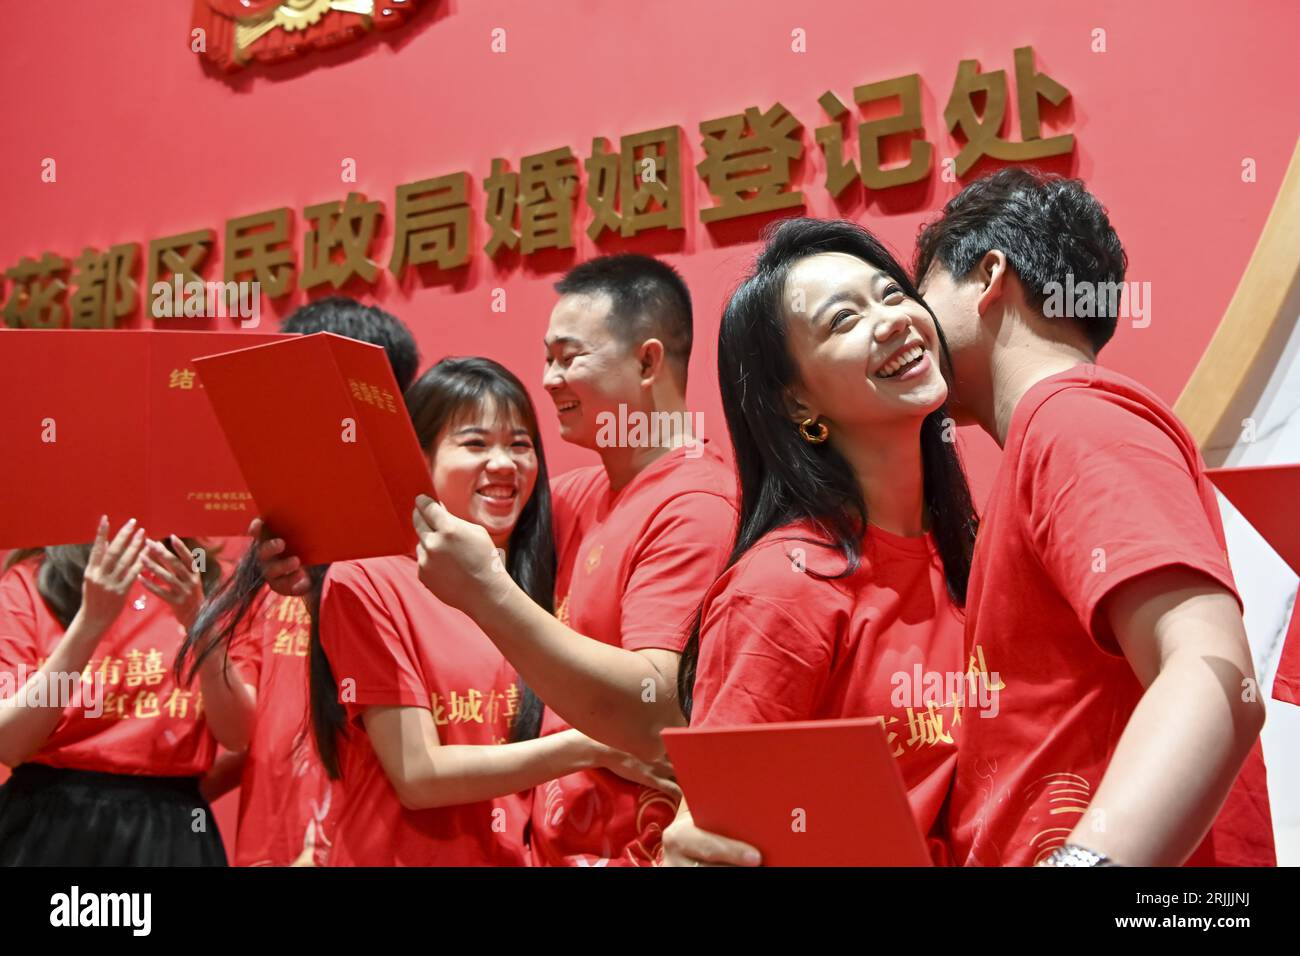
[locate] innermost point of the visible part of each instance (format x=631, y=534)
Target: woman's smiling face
x=864, y=352
x=484, y=468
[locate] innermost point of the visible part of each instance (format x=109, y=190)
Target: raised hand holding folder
x=325, y=443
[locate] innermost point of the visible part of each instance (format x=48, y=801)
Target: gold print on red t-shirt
x=654, y=809
x=1066, y=793
x=178, y=703
x=593, y=558
x=892, y=736
x=146, y=704
x=294, y=640
x=294, y=643
x=139, y=671
x=926, y=728
x=977, y=668
x=474, y=706
x=144, y=668
x=292, y=610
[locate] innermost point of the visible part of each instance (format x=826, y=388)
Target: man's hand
x=284, y=574
x=459, y=563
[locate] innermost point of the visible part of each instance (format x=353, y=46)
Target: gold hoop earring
x=811, y=438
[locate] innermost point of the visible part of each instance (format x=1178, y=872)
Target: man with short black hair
x=1100, y=592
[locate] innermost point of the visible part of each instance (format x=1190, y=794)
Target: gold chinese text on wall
x=746, y=167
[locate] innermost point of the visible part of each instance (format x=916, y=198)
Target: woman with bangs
x=413, y=707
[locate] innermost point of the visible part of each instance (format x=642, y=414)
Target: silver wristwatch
x=1071, y=854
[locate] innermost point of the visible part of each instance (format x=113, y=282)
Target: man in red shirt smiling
x=639, y=538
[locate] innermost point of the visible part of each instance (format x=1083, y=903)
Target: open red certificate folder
x=806, y=793
x=113, y=421
x=323, y=439
x=1265, y=495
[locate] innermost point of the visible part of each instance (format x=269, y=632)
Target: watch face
x=1071, y=855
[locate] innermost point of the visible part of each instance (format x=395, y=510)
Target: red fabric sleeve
x=249, y=639
x=371, y=656
x=18, y=597
x=565, y=492
x=1111, y=498
x=758, y=663
x=681, y=555
x=1286, y=683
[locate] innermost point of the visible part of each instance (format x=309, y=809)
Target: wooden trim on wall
x=1231, y=376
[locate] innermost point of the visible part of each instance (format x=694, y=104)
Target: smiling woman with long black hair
x=856, y=525
x=413, y=707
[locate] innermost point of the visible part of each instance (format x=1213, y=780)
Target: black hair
x=785, y=479
x=447, y=390
x=1048, y=228
x=365, y=323
x=649, y=298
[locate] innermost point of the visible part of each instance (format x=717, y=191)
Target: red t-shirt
x=146, y=723
x=636, y=566
x=1099, y=484
x=287, y=803
x=780, y=643
x=398, y=645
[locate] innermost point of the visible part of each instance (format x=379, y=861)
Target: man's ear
x=651, y=358
x=991, y=273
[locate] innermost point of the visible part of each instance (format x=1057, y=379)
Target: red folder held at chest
x=323, y=439
x=805, y=793
x=113, y=421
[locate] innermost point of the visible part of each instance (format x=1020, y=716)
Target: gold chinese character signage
x=746, y=164
x=238, y=32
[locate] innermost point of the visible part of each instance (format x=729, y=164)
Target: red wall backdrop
x=148, y=142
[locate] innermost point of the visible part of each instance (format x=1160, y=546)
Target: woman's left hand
x=172, y=577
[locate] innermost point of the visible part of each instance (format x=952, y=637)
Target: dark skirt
x=55, y=817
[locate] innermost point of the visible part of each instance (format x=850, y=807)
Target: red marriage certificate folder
x=324, y=441
x=806, y=793
x=1264, y=494
x=113, y=421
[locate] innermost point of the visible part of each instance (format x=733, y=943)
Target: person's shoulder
x=22, y=572
x=18, y=581
x=796, y=566
x=703, y=476
x=576, y=484
x=371, y=574
x=1094, y=407
x=572, y=491
x=717, y=474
